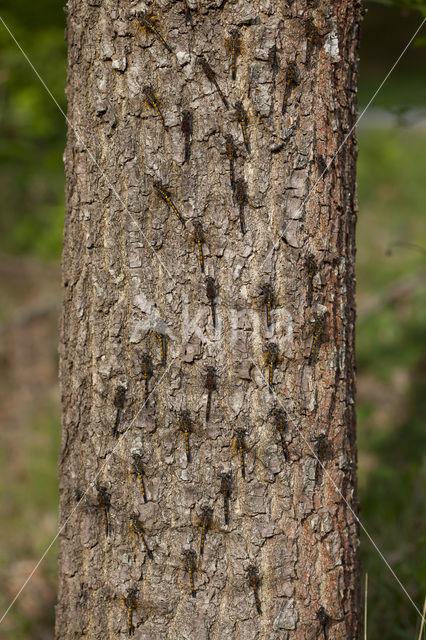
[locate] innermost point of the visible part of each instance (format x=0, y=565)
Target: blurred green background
x=391, y=346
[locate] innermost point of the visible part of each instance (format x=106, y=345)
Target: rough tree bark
x=130, y=269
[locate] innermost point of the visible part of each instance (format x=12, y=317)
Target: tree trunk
x=131, y=271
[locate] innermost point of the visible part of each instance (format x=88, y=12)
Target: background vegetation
x=391, y=349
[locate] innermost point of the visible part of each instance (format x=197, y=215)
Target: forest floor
x=29, y=442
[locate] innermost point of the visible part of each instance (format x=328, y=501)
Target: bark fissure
x=131, y=271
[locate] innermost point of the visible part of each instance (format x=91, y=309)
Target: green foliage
x=32, y=131
x=30, y=505
x=392, y=357
x=393, y=511
x=419, y=5
x=386, y=32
